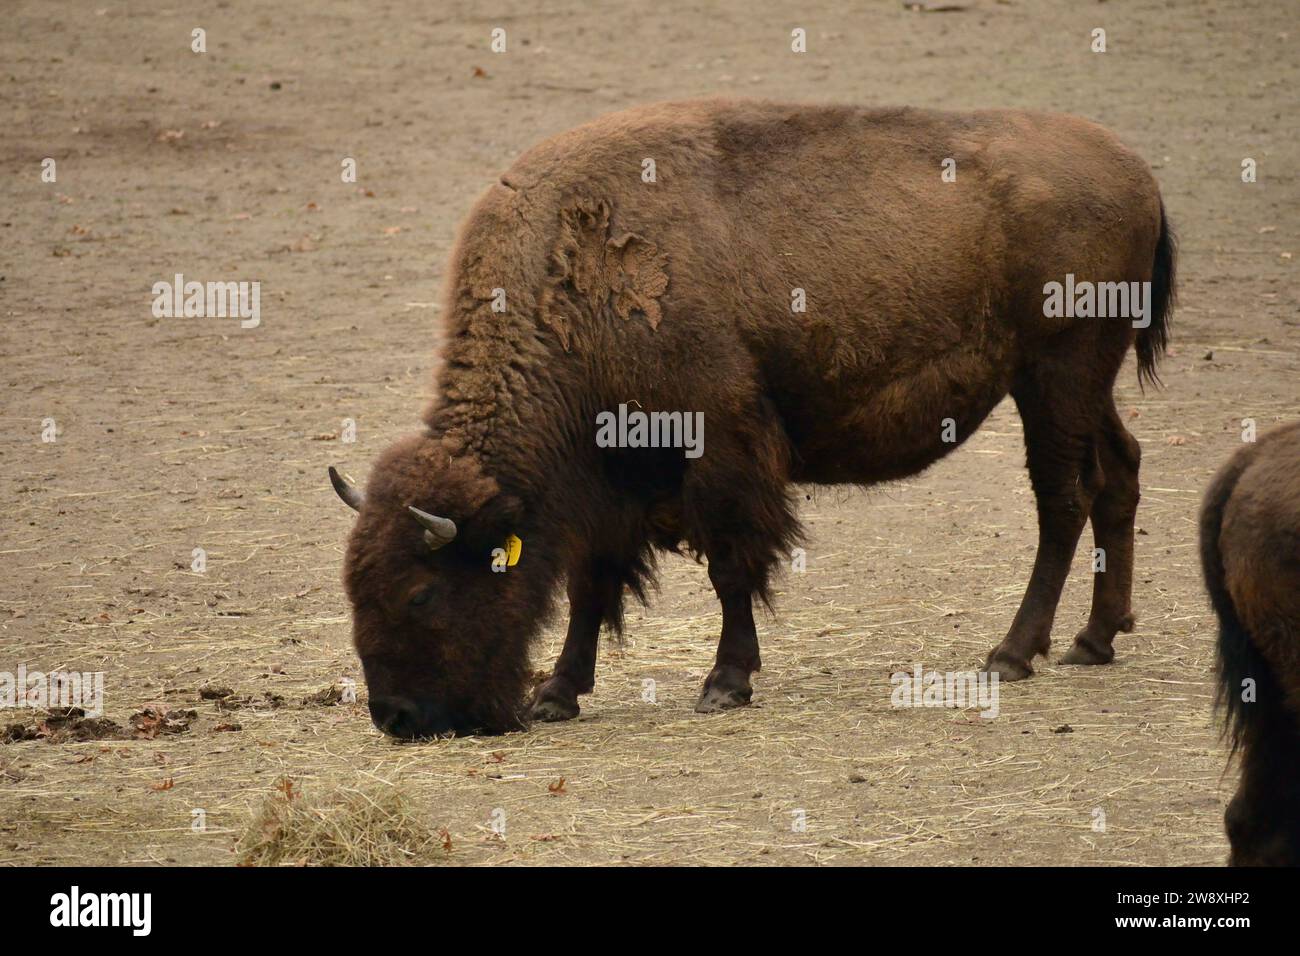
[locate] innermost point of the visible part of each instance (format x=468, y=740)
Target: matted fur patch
x=626, y=272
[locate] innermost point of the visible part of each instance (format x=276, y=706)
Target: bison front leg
x=728, y=683
x=737, y=510
x=595, y=595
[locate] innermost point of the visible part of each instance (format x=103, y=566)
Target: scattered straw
x=370, y=826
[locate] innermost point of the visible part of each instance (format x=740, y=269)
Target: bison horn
x=437, y=531
x=351, y=496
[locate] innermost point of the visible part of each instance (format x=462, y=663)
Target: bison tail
x=1154, y=339
x=1238, y=658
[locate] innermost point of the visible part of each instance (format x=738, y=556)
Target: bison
x=1250, y=555
x=843, y=295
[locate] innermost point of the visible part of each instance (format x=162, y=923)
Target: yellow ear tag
x=514, y=547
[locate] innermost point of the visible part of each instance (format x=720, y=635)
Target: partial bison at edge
x=838, y=310
x=1250, y=555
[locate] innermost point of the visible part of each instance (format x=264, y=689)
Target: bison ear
x=499, y=517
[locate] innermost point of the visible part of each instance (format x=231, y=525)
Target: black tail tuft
x=1238, y=657
x=1153, y=340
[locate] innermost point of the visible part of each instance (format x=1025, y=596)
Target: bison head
x=442, y=625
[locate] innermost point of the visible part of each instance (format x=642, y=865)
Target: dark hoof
x=714, y=699
x=552, y=702
x=724, y=688
x=1088, y=651
x=1007, y=667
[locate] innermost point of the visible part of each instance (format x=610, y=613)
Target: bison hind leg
x=1061, y=406
x=1112, y=517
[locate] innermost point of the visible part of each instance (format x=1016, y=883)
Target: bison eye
x=422, y=596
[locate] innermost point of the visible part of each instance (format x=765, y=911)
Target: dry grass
x=347, y=826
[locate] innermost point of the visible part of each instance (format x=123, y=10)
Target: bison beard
x=804, y=278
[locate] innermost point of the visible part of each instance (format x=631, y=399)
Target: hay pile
x=348, y=826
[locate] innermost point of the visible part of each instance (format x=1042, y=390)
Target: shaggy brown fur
x=925, y=302
x=1250, y=553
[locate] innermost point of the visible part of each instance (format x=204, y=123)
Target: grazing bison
x=1250, y=554
x=839, y=308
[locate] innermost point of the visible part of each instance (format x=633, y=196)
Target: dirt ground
x=175, y=434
